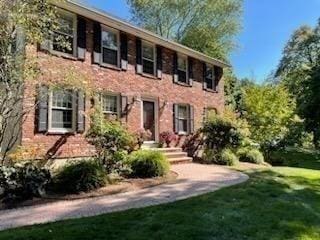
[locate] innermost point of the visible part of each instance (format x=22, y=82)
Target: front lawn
x=277, y=204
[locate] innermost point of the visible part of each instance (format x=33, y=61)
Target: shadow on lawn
x=268, y=206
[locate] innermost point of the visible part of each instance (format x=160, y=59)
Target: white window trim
x=213, y=80
x=184, y=70
x=61, y=130
x=148, y=59
x=117, y=32
x=188, y=118
x=75, y=36
x=118, y=103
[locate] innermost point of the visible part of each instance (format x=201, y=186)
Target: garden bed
x=123, y=186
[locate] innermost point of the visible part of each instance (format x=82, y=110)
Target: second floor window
x=182, y=69
x=64, y=38
x=210, y=77
x=110, y=47
x=148, y=58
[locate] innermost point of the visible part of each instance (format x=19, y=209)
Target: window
x=61, y=115
x=110, y=106
x=110, y=46
x=183, y=118
x=64, y=38
x=148, y=58
x=210, y=77
x=182, y=69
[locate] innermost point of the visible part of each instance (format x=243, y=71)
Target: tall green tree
x=268, y=110
x=208, y=26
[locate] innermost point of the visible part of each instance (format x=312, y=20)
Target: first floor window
x=148, y=58
x=62, y=110
x=183, y=118
x=110, y=46
x=182, y=69
x=65, y=35
x=210, y=77
x=110, y=106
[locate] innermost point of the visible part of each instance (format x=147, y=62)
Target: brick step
x=170, y=155
x=180, y=160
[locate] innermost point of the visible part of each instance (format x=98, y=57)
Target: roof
x=105, y=18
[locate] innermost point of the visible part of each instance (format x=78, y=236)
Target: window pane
x=183, y=112
x=61, y=118
x=147, y=52
x=110, y=56
x=66, y=24
x=209, y=73
x=62, y=99
x=148, y=67
x=209, y=83
x=110, y=104
x=182, y=63
x=63, y=43
x=183, y=125
x=109, y=40
x=182, y=76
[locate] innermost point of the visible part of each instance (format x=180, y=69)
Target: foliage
x=147, y=163
x=228, y=157
x=142, y=135
x=233, y=91
x=250, y=155
x=110, y=139
x=167, y=137
x=80, y=177
x=207, y=26
x=268, y=110
x=221, y=132
x=22, y=181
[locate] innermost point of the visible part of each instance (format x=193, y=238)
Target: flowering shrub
x=167, y=137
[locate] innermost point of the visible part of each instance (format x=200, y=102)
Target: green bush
x=228, y=157
x=147, y=163
x=225, y=157
x=80, y=177
x=22, y=182
x=250, y=155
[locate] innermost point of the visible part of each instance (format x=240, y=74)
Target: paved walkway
x=194, y=179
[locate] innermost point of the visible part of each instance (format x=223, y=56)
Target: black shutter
x=190, y=71
x=81, y=37
x=159, y=62
x=96, y=42
x=42, y=109
x=191, y=119
x=81, y=107
x=218, y=73
x=175, y=67
x=139, y=55
x=124, y=108
x=124, y=51
x=204, y=75
x=175, y=118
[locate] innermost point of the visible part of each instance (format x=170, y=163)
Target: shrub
x=250, y=155
x=22, y=182
x=80, y=177
x=225, y=157
x=228, y=157
x=110, y=138
x=147, y=163
x=141, y=136
x=167, y=137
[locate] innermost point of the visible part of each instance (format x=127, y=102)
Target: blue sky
x=267, y=25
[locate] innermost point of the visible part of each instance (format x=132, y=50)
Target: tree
x=233, y=91
x=23, y=23
x=204, y=25
x=268, y=110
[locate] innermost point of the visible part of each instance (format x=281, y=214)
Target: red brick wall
x=127, y=83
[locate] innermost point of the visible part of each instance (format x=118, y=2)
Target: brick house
x=143, y=80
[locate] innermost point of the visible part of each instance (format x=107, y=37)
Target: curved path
x=194, y=179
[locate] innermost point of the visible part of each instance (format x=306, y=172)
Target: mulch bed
x=126, y=185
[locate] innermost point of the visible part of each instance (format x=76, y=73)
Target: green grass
x=277, y=204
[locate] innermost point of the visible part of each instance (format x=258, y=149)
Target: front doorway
x=150, y=119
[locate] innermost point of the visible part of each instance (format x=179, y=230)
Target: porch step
x=174, y=155
x=167, y=150
x=170, y=155
x=180, y=160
